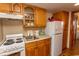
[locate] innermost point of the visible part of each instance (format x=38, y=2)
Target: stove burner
x=9, y=42
x=19, y=41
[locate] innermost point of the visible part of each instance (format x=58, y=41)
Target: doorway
x=76, y=29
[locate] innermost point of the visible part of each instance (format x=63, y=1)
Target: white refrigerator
x=55, y=30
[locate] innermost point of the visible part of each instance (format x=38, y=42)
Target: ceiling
x=55, y=7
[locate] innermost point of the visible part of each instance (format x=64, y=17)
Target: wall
x=77, y=15
x=49, y=14
x=68, y=38
x=77, y=34
x=12, y=27
x=0, y=30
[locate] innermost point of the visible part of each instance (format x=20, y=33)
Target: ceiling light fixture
x=76, y=4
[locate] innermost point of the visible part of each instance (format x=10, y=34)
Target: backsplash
x=33, y=33
x=10, y=26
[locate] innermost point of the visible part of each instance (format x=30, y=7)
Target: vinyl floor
x=72, y=52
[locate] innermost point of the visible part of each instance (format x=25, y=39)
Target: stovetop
x=12, y=43
x=12, y=39
x=9, y=42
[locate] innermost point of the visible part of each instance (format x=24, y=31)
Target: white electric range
x=14, y=43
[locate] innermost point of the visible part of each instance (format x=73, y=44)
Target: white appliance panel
x=50, y=30
x=56, y=45
x=58, y=27
x=13, y=48
x=54, y=27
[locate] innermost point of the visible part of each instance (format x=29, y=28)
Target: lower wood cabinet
x=30, y=51
x=47, y=48
x=38, y=48
x=41, y=50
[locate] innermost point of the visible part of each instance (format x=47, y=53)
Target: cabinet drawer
x=31, y=44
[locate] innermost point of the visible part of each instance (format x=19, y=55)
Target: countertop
x=40, y=38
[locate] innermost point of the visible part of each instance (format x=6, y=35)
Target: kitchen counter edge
x=41, y=38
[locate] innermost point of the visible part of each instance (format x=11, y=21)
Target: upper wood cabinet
x=4, y=7
x=40, y=20
x=38, y=15
x=28, y=9
x=29, y=16
x=16, y=8
x=33, y=16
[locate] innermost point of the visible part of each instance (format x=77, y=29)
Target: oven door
x=15, y=54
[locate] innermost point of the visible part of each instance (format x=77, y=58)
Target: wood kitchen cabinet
x=16, y=8
x=29, y=16
x=40, y=20
x=39, y=15
x=38, y=48
x=30, y=49
x=63, y=15
x=47, y=47
x=4, y=8
x=41, y=49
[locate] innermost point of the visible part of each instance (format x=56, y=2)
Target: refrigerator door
x=58, y=27
x=54, y=27
x=50, y=30
x=56, y=45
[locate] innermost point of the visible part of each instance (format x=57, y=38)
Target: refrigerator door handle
x=58, y=33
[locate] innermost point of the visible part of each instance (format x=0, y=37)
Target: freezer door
x=58, y=27
x=54, y=27
x=50, y=30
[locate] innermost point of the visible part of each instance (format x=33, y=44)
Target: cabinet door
x=16, y=8
x=38, y=48
x=30, y=51
x=40, y=20
x=47, y=50
x=44, y=47
x=41, y=50
x=47, y=47
x=40, y=45
x=4, y=7
x=29, y=15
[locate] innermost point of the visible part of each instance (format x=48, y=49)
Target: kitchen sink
x=31, y=38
